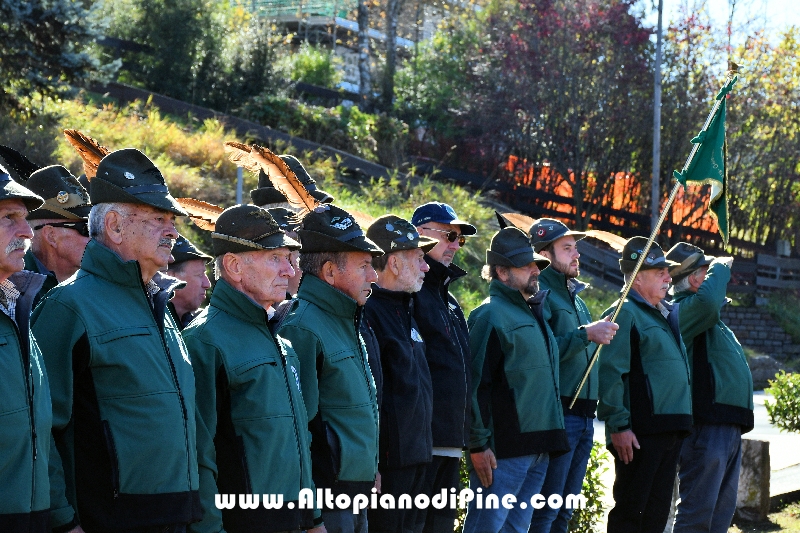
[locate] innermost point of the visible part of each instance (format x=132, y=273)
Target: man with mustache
x=577, y=338
x=252, y=432
x=25, y=411
x=442, y=325
x=406, y=404
x=60, y=226
x=645, y=397
x=335, y=377
x=189, y=266
x=517, y=421
x=121, y=380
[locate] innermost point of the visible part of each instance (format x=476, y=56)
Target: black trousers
x=643, y=487
x=442, y=473
x=398, y=481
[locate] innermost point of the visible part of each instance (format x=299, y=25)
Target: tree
x=45, y=47
x=364, y=74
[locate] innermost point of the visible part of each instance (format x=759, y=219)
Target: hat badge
x=129, y=176
x=540, y=232
x=62, y=197
x=634, y=255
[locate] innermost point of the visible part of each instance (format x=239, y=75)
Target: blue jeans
x=565, y=475
x=709, y=478
x=520, y=476
x=344, y=521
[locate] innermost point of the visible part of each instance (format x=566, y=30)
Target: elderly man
x=60, y=226
x=514, y=367
x=189, y=266
x=444, y=329
x=645, y=395
x=248, y=393
x=722, y=393
x=121, y=381
x=25, y=413
x=577, y=337
x=406, y=403
x=338, y=388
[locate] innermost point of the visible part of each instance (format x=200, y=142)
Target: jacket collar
x=107, y=264
x=395, y=297
x=326, y=297
x=237, y=304
x=33, y=264
x=671, y=318
x=559, y=282
x=498, y=289
x=28, y=284
x=441, y=275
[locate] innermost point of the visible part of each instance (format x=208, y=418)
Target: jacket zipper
x=28, y=373
x=291, y=403
x=364, y=357
x=112, y=457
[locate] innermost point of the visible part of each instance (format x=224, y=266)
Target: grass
x=784, y=519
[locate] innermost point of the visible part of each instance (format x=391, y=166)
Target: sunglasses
x=451, y=236
x=81, y=226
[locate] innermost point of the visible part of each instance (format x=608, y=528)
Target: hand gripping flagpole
x=730, y=75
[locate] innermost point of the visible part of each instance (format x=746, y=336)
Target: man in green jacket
x=577, y=337
x=722, y=393
x=645, y=396
x=25, y=412
x=120, y=376
x=517, y=420
x=252, y=430
x=60, y=226
x=189, y=266
x=338, y=387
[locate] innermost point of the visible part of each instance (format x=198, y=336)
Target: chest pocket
x=14, y=396
x=259, y=389
x=345, y=381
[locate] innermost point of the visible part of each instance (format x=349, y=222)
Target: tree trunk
x=365, y=81
x=392, y=13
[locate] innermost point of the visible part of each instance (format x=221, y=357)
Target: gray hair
x=682, y=285
x=489, y=272
x=312, y=262
x=219, y=267
x=97, y=218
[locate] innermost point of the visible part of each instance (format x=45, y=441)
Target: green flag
x=707, y=164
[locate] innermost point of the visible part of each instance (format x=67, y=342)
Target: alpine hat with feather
x=64, y=196
x=329, y=228
x=688, y=258
x=128, y=176
x=184, y=250
x=511, y=247
x=394, y=234
x=548, y=230
x=305, y=178
x=633, y=251
x=266, y=195
x=11, y=190
x=246, y=228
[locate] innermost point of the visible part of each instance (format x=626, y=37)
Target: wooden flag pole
x=732, y=69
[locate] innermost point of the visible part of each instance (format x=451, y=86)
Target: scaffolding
x=301, y=9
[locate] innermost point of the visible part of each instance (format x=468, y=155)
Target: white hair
x=219, y=267
x=97, y=218
x=682, y=285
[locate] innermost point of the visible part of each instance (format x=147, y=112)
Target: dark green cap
x=285, y=218
x=266, y=194
x=394, y=234
x=511, y=247
x=65, y=198
x=547, y=230
x=128, y=176
x=689, y=258
x=184, y=250
x=305, y=178
x=245, y=228
x=633, y=250
x=11, y=190
x=329, y=228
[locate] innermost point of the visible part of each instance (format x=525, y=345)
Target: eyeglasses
x=451, y=236
x=81, y=226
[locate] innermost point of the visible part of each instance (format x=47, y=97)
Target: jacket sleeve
x=701, y=310
x=571, y=340
x=205, y=362
x=486, y=355
x=58, y=332
x=308, y=349
x=615, y=364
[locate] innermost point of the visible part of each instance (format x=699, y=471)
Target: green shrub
x=586, y=520
x=314, y=65
x=784, y=307
x=785, y=412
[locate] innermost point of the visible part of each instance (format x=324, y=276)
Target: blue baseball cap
x=442, y=213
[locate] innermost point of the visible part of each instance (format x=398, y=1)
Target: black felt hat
x=266, y=194
x=689, y=258
x=11, y=190
x=547, y=230
x=184, y=250
x=245, y=228
x=285, y=218
x=394, y=234
x=511, y=247
x=128, y=176
x=332, y=229
x=305, y=178
x=64, y=196
x=633, y=251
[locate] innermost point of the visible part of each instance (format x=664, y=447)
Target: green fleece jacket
x=566, y=312
x=123, y=399
x=338, y=388
x=722, y=385
x=516, y=406
x=25, y=418
x=644, y=372
x=252, y=430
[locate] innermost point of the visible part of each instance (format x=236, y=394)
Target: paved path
x=784, y=453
